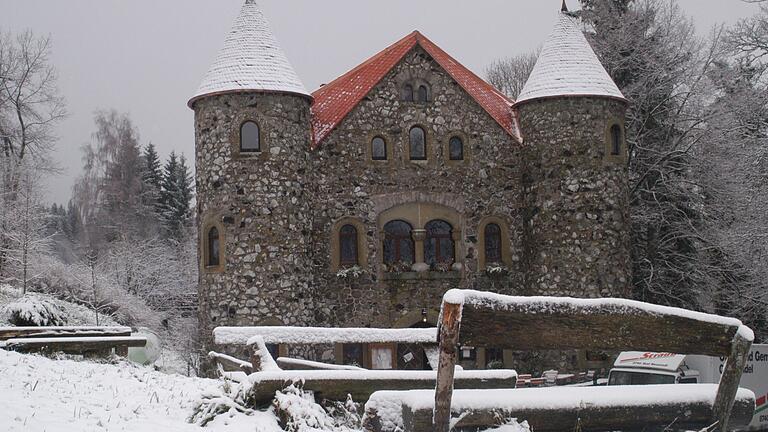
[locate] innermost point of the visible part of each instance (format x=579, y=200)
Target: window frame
x=506, y=243
x=407, y=94
x=210, y=222
x=450, y=148
x=397, y=242
x=335, y=243
x=350, y=237
x=420, y=97
x=616, y=140
x=242, y=150
x=608, y=150
x=425, y=143
x=498, y=253
x=431, y=237
x=386, y=150
x=239, y=120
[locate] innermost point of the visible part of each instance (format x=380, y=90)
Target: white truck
x=637, y=368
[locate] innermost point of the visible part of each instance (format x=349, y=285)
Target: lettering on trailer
x=650, y=355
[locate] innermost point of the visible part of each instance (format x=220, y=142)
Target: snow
x=543, y=304
x=321, y=335
x=308, y=364
x=386, y=403
x=567, y=66
x=53, y=340
x=35, y=310
x=365, y=375
x=251, y=60
x=41, y=394
x=76, y=315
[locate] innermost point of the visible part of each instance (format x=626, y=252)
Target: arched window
x=378, y=148
x=418, y=141
x=615, y=140
x=398, y=242
x=423, y=94
x=438, y=246
x=348, y=245
x=408, y=93
x=456, y=148
x=213, y=244
x=492, y=243
x=250, y=141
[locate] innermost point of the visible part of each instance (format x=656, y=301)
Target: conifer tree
x=152, y=177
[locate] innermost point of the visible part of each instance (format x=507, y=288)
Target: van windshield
x=639, y=378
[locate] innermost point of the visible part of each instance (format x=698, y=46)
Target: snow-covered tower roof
x=251, y=60
x=567, y=66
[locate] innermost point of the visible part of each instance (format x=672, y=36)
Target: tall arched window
x=348, y=245
x=408, y=93
x=213, y=245
x=492, y=243
x=378, y=148
x=455, y=148
x=438, y=246
x=418, y=143
x=615, y=140
x=398, y=242
x=250, y=141
x=422, y=94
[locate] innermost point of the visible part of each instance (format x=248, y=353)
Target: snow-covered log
x=288, y=363
x=76, y=345
x=73, y=331
x=360, y=384
x=561, y=408
x=322, y=335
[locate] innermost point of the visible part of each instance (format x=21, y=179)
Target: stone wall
x=577, y=198
x=349, y=184
x=261, y=205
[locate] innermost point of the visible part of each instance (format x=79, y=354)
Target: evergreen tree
x=152, y=177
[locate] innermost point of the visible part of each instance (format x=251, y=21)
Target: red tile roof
x=333, y=101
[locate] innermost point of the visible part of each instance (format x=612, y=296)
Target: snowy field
x=44, y=395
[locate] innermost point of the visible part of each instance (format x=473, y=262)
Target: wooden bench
x=86, y=340
x=474, y=318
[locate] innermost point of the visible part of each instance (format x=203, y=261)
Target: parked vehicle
x=639, y=368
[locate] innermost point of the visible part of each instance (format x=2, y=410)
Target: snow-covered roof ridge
x=251, y=60
x=536, y=304
x=567, y=66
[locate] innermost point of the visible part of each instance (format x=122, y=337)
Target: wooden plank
x=69, y=331
x=565, y=328
x=693, y=415
x=361, y=389
x=72, y=345
x=231, y=364
x=450, y=321
x=288, y=363
x=729, y=380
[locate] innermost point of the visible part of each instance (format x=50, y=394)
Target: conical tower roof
x=567, y=66
x=251, y=60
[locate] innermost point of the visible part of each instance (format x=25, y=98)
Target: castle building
x=361, y=203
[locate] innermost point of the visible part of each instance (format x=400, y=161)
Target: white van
x=637, y=368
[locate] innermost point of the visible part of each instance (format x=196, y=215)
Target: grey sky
x=147, y=57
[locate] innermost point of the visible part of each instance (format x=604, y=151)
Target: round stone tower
x=252, y=138
x=575, y=176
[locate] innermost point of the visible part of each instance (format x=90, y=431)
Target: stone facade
x=560, y=199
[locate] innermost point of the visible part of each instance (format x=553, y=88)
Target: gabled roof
x=567, y=66
x=334, y=101
x=251, y=60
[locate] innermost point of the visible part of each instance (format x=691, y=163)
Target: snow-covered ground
x=40, y=394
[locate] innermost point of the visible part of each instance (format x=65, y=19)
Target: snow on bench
x=478, y=318
x=75, y=331
x=322, y=335
x=289, y=363
x=75, y=345
x=361, y=383
x=561, y=408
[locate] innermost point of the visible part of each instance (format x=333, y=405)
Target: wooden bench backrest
x=538, y=323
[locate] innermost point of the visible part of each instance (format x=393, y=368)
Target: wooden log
x=231, y=364
x=69, y=331
x=729, y=380
x=73, y=345
x=288, y=363
x=448, y=339
x=337, y=389
x=694, y=415
x=598, y=329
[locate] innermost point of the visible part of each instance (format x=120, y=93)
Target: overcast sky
x=147, y=57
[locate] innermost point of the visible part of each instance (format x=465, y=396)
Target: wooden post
x=729, y=381
x=448, y=351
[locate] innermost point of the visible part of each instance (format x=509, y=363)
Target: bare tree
x=510, y=74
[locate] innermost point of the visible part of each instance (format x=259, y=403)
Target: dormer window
x=250, y=139
x=408, y=93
